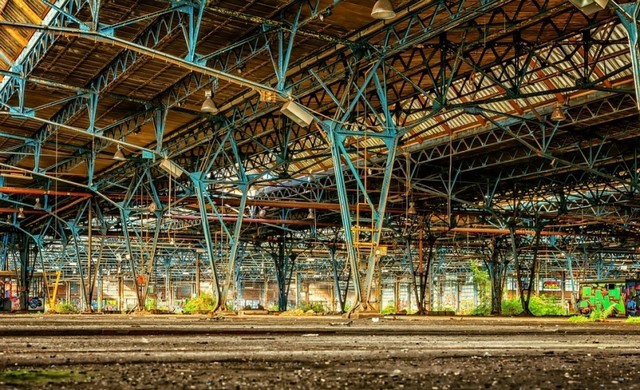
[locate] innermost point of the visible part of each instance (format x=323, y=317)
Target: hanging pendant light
x=558, y=114
x=208, y=105
x=412, y=209
x=383, y=10
x=21, y=213
x=118, y=155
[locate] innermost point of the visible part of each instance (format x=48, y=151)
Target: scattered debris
x=343, y=323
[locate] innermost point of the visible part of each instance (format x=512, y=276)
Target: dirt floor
x=196, y=352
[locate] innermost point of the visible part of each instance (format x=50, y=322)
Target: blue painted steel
x=337, y=140
x=40, y=44
x=200, y=184
x=629, y=19
x=234, y=239
x=159, y=123
x=193, y=27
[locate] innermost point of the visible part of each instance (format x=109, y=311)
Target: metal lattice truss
x=463, y=120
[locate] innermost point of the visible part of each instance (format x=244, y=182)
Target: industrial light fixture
x=208, y=105
x=37, y=204
x=412, y=209
x=558, y=114
x=9, y=218
x=21, y=213
x=118, y=155
x=383, y=10
x=16, y=175
x=262, y=213
x=590, y=7
x=311, y=215
x=267, y=96
x=297, y=113
x=170, y=167
x=322, y=15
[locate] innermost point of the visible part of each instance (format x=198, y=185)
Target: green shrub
x=203, y=303
x=482, y=310
x=545, y=306
x=598, y=315
x=601, y=315
x=511, y=307
x=64, y=308
x=316, y=307
x=538, y=305
x=150, y=304
x=389, y=309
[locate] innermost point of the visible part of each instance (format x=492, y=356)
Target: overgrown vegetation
x=482, y=282
x=310, y=309
x=481, y=310
x=539, y=306
x=38, y=377
x=633, y=320
x=579, y=319
x=64, y=307
x=204, y=303
x=389, y=309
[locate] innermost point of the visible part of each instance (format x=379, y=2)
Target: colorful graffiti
x=601, y=295
x=632, y=292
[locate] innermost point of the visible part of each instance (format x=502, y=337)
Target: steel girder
x=399, y=36
x=314, y=140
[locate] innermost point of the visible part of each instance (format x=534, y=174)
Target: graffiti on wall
x=601, y=296
x=632, y=292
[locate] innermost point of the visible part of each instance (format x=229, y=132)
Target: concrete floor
x=196, y=352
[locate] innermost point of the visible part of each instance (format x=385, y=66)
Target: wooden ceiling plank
x=27, y=11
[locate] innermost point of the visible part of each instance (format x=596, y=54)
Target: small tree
x=497, y=261
x=481, y=282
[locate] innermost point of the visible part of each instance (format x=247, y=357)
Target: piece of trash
x=375, y=319
x=310, y=335
x=344, y=323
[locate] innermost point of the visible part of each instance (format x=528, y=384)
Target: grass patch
x=39, y=377
x=579, y=319
x=633, y=320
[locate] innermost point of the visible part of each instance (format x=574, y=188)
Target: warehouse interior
x=356, y=154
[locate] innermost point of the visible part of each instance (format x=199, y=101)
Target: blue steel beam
x=224, y=60
x=39, y=45
x=402, y=36
x=152, y=37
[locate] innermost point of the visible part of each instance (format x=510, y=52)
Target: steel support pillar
x=200, y=185
x=284, y=265
x=628, y=14
x=26, y=271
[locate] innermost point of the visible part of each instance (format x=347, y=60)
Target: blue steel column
x=336, y=278
x=234, y=239
x=199, y=181
x=235, y=244
x=336, y=141
x=628, y=14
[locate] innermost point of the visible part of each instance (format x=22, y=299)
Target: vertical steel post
x=628, y=14
x=198, y=179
